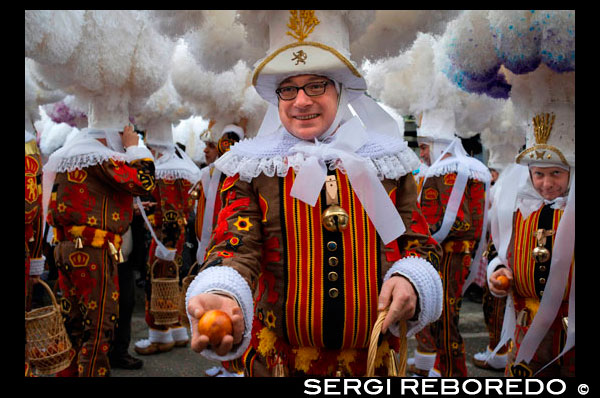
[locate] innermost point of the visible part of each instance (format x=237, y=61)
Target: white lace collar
x=477, y=170
x=172, y=167
x=272, y=155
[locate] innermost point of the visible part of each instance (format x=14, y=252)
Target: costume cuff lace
x=228, y=280
x=36, y=266
x=428, y=285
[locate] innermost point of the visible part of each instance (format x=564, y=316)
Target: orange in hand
x=503, y=281
x=215, y=324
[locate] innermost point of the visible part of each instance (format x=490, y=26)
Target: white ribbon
x=310, y=179
x=483, y=242
x=161, y=251
x=210, y=185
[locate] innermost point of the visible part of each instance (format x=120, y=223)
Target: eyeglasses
x=314, y=89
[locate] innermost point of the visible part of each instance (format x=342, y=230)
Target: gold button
x=333, y=293
x=332, y=276
x=331, y=246
x=543, y=268
x=333, y=261
x=541, y=292
x=543, y=281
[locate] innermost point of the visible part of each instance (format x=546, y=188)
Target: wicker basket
x=47, y=344
x=397, y=363
x=164, y=299
x=185, y=283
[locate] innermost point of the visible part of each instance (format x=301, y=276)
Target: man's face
x=550, y=182
x=210, y=152
x=304, y=116
x=424, y=153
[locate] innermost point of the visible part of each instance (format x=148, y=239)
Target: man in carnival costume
x=209, y=204
x=453, y=202
x=320, y=227
x=93, y=180
x=176, y=173
x=34, y=225
x=503, y=144
x=533, y=228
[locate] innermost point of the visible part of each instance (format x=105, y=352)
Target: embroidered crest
x=79, y=259
x=299, y=56
x=431, y=194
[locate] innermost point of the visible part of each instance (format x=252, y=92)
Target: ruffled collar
x=477, y=170
x=273, y=155
x=171, y=166
x=81, y=152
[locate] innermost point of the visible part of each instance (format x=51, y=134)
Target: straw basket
x=164, y=298
x=397, y=363
x=185, y=283
x=47, y=345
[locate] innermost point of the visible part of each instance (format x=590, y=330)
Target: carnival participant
x=503, y=143
x=453, y=202
x=93, y=181
x=536, y=248
x=315, y=223
x=34, y=226
x=176, y=173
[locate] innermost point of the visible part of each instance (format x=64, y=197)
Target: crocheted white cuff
x=228, y=280
x=36, y=266
x=160, y=336
x=492, y=266
x=179, y=333
x=137, y=152
x=428, y=284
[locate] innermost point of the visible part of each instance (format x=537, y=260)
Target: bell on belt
x=541, y=254
x=335, y=218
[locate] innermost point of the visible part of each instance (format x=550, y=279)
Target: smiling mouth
x=306, y=117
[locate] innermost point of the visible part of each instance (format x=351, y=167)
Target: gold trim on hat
x=302, y=23
x=540, y=153
x=542, y=127
x=332, y=50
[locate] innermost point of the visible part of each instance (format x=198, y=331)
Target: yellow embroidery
x=243, y=223
x=304, y=357
x=302, y=23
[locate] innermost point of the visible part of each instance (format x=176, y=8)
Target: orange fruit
x=215, y=324
x=503, y=281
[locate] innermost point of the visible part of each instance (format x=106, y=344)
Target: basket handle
x=50, y=293
x=192, y=267
x=152, y=269
x=398, y=368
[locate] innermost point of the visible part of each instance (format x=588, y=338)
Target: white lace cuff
x=36, y=266
x=428, y=284
x=228, y=280
x=137, y=152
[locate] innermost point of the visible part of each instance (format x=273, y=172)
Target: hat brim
x=543, y=153
x=306, y=58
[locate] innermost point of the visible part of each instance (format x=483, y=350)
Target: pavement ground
x=183, y=362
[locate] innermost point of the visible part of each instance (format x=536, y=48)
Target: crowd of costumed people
x=300, y=192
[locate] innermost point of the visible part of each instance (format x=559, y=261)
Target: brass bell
x=194, y=194
x=541, y=254
x=335, y=218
